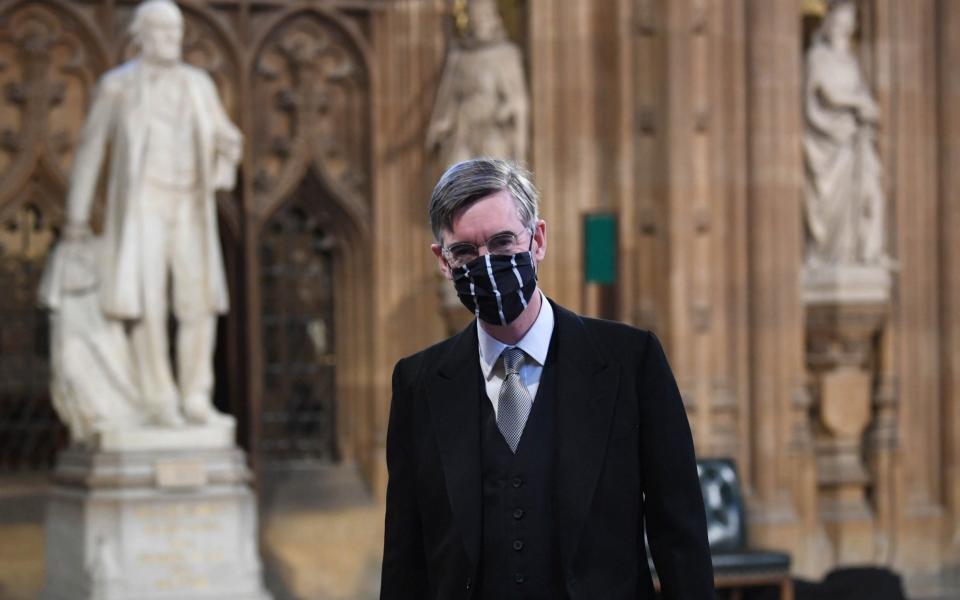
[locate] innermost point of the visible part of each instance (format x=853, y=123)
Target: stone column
x=690, y=209
x=409, y=36
x=949, y=52
x=781, y=504
x=908, y=92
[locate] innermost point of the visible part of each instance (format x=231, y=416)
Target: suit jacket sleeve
x=404, y=572
x=673, y=502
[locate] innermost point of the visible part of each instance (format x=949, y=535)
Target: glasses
x=505, y=242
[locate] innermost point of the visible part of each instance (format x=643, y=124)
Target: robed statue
x=482, y=107
x=160, y=137
x=844, y=204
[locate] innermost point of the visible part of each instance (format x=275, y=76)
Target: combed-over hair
x=471, y=180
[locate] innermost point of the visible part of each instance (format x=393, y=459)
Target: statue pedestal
x=846, y=308
x=153, y=519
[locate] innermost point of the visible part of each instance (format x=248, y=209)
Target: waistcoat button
x=519, y=578
x=518, y=513
x=518, y=545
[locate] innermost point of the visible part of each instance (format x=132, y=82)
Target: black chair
x=735, y=566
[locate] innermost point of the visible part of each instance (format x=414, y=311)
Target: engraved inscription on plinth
x=152, y=525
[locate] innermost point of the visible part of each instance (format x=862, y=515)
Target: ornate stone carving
x=482, y=106
x=44, y=93
x=311, y=77
x=845, y=203
x=841, y=357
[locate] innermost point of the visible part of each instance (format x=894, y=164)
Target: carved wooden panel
x=49, y=60
x=310, y=79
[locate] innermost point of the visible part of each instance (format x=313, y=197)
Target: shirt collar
x=535, y=343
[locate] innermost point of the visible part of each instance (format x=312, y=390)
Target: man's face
x=161, y=38
x=486, y=218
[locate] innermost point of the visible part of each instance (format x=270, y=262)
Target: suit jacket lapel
x=453, y=392
x=587, y=384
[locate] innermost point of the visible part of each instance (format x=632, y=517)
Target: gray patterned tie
x=514, y=403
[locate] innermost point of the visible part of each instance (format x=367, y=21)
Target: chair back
x=723, y=500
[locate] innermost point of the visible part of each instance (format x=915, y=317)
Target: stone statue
x=844, y=194
x=482, y=106
x=92, y=383
x=158, y=127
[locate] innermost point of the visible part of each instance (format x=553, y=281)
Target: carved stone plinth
x=159, y=524
x=846, y=308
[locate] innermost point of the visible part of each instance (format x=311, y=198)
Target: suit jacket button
x=518, y=513
x=469, y=584
x=519, y=578
x=517, y=482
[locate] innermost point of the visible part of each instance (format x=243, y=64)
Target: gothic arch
x=338, y=303
x=46, y=90
x=310, y=75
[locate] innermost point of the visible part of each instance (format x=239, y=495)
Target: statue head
x=485, y=22
x=838, y=25
x=157, y=28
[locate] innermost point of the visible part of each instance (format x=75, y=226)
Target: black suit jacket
x=624, y=460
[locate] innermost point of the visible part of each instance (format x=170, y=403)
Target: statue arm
x=823, y=83
x=88, y=160
x=228, y=140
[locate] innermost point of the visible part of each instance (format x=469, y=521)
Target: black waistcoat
x=519, y=554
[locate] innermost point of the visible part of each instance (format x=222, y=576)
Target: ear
x=444, y=267
x=540, y=240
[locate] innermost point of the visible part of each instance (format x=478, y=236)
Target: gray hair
x=471, y=180
x=150, y=8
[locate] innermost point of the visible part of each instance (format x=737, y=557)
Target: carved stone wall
x=298, y=80
x=681, y=117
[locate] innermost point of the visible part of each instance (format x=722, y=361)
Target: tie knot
x=512, y=360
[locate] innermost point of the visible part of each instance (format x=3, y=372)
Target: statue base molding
x=196, y=437
x=846, y=285
x=179, y=523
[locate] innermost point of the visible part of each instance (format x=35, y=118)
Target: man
x=528, y=454
x=170, y=146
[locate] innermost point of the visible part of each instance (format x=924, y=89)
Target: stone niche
x=145, y=518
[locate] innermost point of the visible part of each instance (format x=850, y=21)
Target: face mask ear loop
x=533, y=260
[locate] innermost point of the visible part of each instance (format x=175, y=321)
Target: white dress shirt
x=535, y=343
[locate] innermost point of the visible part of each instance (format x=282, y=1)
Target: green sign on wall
x=600, y=247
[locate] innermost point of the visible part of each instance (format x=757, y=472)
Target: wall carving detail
x=311, y=79
x=45, y=91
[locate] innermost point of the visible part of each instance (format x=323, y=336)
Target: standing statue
x=482, y=106
x=168, y=145
x=844, y=193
